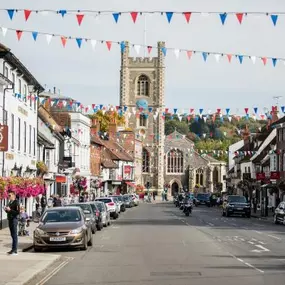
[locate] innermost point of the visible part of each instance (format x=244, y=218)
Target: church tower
x=142, y=92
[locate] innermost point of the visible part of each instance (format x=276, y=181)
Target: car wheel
x=275, y=220
x=90, y=242
x=100, y=227
x=109, y=223
x=227, y=214
x=248, y=216
x=105, y=225
x=93, y=230
x=37, y=249
x=85, y=245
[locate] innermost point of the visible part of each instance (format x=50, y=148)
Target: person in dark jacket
x=13, y=211
x=43, y=203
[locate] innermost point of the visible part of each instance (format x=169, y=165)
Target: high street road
x=156, y=244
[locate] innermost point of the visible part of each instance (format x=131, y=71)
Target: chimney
x=113, y=130
x=95, y=127
x=274, y=115
x=54, y=90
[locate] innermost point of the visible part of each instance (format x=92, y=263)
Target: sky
x=92, y=76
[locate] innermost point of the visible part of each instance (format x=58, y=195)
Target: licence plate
x=57, y=239
x=239, y=209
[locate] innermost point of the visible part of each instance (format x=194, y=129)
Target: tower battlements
x=142, y=61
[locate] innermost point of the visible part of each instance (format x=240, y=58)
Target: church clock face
x=142, y=104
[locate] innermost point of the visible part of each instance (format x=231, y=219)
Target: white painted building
x=18, y=101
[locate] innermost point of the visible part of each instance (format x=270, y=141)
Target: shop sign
x=275, y=175
x=260, y=176
x=3, y=138
x=60, y=179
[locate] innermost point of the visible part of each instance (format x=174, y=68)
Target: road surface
x=155, y=244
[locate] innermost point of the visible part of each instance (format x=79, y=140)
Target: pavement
x=155, y=244
x=20, y=269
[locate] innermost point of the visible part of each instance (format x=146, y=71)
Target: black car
x=279, y=214
x=202, y=199
x=236, y=205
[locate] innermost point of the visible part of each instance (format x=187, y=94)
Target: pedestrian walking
x=153, y=195
x=43, y=203
x=13, y=211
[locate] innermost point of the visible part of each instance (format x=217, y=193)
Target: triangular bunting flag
x=63, y=41
x=177, y=52
x=11, y=13
x=79, y=18
x=93, y=44
x=19, y=34
x=264, y=60
x=49, y=38
x=274, y=19
x=253, y=59
x=255, y=110
x=109, y=45
x=246, y=110
x=116, y=17
x=187, y=16
x=137, y=48
x=134, y=16
x=123, y=46
x=239, y=17
x=27, y=14
x=217, y=56
x=149, y=48
x=240, y=57
x=169, y=16
x=223, y=17
x=35, y=35
x=205, y=55
x=283, y=109
x=79, y=42
x=62, y=12
x=229, y=56
x=4, y=31
x=164, y=50
x=189, y=54
x=274, y=61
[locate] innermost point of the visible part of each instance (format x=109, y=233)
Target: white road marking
x=247, y=264
x=234, y=225
x=105, y=238
x=210, y=224
x=55, y=271
x=262, y=242
x=115, y=227
x=254, y=239
x=274, y=237
x=184, y=243
x=262, y=249
x=251, y=242
x=258, y=232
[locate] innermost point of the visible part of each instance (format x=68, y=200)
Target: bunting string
x=79, y=15
x=137, y=47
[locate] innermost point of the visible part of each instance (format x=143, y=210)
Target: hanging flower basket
x=42, y=169
x=139, y=188
x=23, y=187
x=79, y=184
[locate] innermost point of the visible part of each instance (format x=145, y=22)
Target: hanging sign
x=3, y=138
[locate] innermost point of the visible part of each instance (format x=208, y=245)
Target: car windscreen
x=105, y=200
x=120, y=198
x=237, y=199
x=86, y=208
x=93, y=207
x=115, y=199
x=126, y=198
x=61, y=216
x=100, y=207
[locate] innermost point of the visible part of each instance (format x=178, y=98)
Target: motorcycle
x=188, y=209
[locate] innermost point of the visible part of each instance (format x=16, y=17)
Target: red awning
x=131, y=184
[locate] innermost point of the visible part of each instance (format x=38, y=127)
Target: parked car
x=105, y=213
x=88, y=212
x=63, y=227
x=235, y=204
x=121, y=201
x=111, y=206
x=136, y=199
x=279, y=214
x=202, y=199
x=98, y=215
x=128, y=201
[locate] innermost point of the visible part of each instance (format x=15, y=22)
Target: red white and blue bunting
x=189, y=53
x=80, y=15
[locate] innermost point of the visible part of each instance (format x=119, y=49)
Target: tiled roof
x=118, y=153
x=47, y=117
x=96, y=140
x=107, y=160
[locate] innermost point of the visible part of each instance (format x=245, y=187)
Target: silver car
x=106, y=219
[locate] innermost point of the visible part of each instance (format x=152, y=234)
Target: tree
x=108, y=117
x=172, y=123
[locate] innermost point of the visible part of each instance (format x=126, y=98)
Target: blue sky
x=93, y=76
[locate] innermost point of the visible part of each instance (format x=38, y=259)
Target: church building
x=167, y=161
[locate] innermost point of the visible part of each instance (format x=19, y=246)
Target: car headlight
x=76, y=231
x=40, y=232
